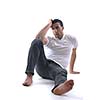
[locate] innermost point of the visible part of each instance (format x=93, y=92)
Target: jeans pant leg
x=36, y=55
x=46, y=68
x=57, y=73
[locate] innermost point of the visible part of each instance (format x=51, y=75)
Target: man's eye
x=57, y=27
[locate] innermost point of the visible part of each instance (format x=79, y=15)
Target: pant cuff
x=54, y=88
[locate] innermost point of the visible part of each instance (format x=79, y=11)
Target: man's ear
x=63, y=28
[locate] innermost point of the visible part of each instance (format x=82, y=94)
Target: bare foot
x=64, y=87
x=28, y=80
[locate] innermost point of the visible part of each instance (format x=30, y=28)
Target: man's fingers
x=74, y=72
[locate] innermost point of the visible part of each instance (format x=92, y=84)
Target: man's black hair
x=57, y=20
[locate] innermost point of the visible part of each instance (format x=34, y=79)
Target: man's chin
x=57, y=37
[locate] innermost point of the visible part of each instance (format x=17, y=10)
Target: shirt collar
x=61, y=38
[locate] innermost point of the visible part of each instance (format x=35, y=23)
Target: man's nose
x=55, y=30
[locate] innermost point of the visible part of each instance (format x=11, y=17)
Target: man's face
x=57, y=30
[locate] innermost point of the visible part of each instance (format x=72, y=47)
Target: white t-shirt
x=59, y=50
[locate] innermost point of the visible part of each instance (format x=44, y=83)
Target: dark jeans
x=46, y=68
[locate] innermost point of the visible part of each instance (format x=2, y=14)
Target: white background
x=20, y=20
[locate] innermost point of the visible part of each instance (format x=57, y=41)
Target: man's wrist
x=71, y=68
x=70, y=71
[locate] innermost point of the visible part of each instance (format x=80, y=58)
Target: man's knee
x=36, y=42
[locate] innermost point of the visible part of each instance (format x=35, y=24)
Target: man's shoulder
x=50, y=38
x=70, y=36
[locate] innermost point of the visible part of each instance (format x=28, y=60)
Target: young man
x=52, y=64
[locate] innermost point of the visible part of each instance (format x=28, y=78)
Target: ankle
x=29, y=75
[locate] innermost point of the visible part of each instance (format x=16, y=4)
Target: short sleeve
x=48, y=40
x=74, y=41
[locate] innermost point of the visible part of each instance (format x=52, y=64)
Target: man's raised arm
x=42, y=33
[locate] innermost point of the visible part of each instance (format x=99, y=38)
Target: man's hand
x=74, y=72
x=43, y=31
